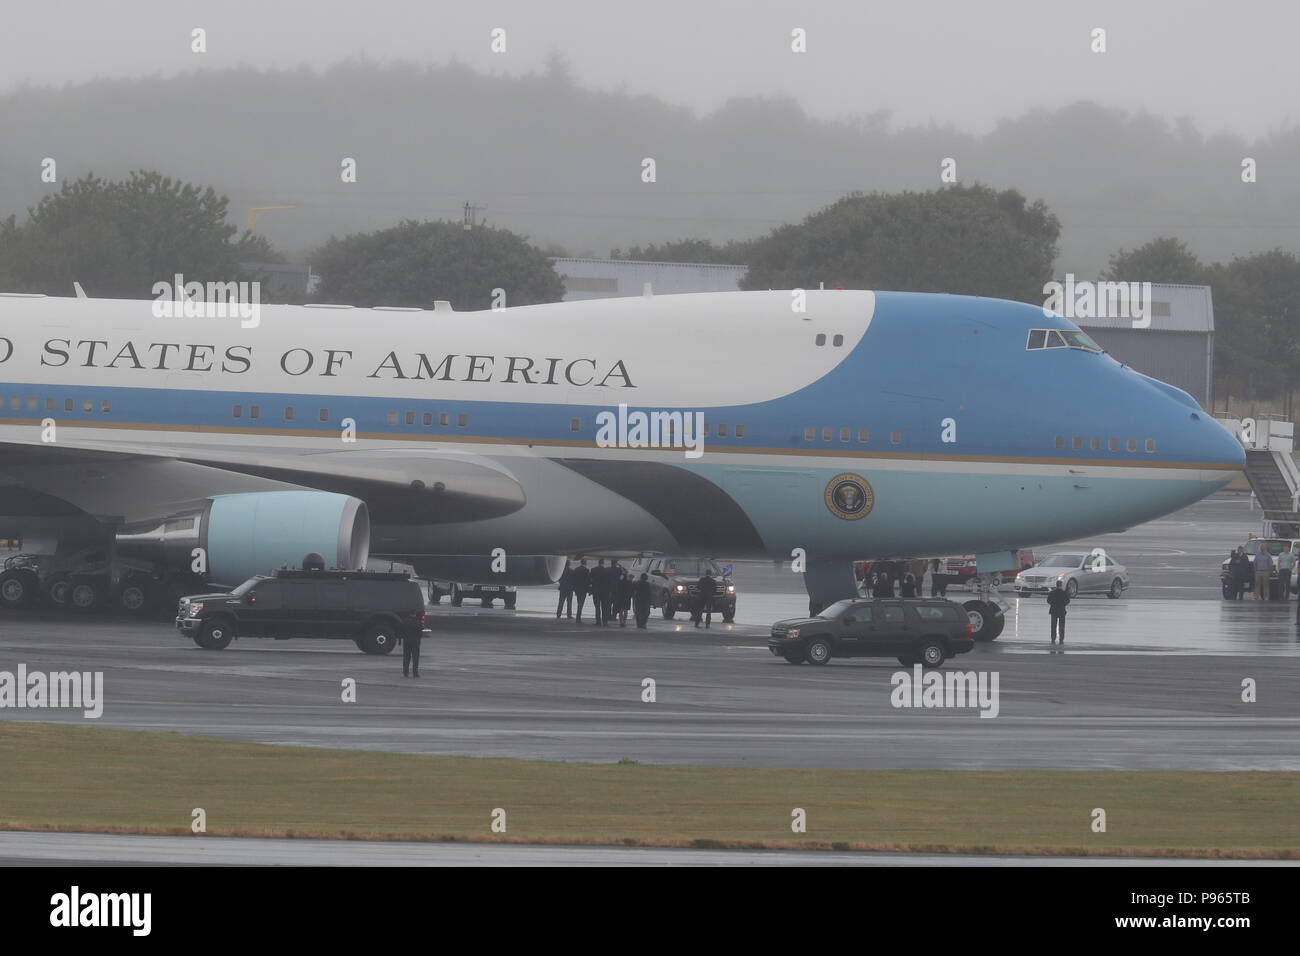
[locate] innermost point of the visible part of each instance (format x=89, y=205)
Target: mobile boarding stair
x=1272, y=472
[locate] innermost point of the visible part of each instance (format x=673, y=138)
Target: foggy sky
x=1230, y=66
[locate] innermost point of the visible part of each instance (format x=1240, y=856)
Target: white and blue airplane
x=873, y=424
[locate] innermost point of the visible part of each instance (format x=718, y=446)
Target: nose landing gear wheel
x=986, y=620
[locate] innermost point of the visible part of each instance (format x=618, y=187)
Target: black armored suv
x=675, y=585
x=372, y=608
x=925, y=631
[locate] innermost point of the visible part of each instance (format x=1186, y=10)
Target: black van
x=372, y=608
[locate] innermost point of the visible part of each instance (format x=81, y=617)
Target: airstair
x=1272, y=472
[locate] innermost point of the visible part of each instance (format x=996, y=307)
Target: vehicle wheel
x=456, y=597
x=83, y=596
x=509, y=601
x=670, y=609
x=794, y=657
x=1071, y=589
x=1117, y=589
x=818, y=651
x=729, y=616
x=381, y=638
x=931, y=654
x=56, y=591
x=135, y=597
x=215, y=634
x=17, y=588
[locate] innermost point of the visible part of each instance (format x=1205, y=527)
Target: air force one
x=870, y=425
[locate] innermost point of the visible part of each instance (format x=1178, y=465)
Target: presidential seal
x=849, y=496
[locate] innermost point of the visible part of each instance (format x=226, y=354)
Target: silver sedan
x=1077, y=571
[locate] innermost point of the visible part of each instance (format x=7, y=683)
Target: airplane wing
x=135, y=481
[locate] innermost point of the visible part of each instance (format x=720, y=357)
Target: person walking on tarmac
x=411, y=654
x=1057, y=599
x=704, y=605
x=641, y=600
x=1263, y=571
x=581, y=584
x=566, y=591
x=600, y=591
x=613, y=574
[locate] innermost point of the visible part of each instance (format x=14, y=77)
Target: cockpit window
x=1061, y=339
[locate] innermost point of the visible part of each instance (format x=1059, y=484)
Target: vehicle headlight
x=793, y=632
x=681, y=587
x=731, y=589
x=196, y=608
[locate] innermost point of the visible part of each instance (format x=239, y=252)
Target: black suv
x=925, y=632
x=372, y=608
x=675, y=585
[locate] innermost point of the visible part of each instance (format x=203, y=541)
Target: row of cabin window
x=1112, y=444
x=722, y=430
x=426, y=418
x=846, y=434
x=51, y=404
x=323, y=414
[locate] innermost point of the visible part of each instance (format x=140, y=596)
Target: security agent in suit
x=566, y=592
x=600, y=590
x=411, y=653
x=581, y=584
x=1057, y=599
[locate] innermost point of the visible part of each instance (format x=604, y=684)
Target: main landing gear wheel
x=56, y=591
x=135, y=597
x=83, y=596
x=17, y=588
x=456, y=597
x=986, y=620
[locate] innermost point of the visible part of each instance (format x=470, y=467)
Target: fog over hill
x=562, y=163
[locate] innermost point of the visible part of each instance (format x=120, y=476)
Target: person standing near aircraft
x=581, y=584
x=623, y=597
x=566, y=592
x=411, y=653
x=1285, y=562
x=908, y=585
x=884, y=587
x=704, y=606
x=599, y=591
x=641, y=601
x=1263, y=570
x=1239, y=572
x=1057, y=599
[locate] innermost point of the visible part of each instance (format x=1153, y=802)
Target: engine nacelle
x=521, y=570
x=243, y=535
